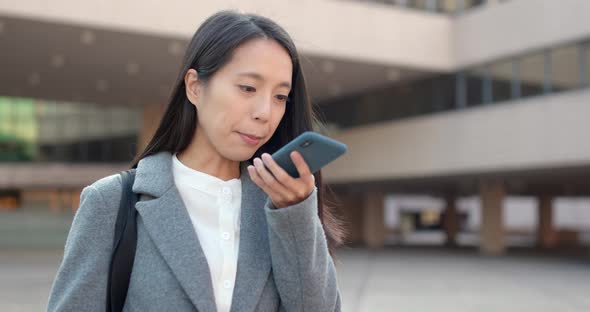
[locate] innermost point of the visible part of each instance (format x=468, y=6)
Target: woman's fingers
x=268, y=178
x=305, y=175
x=301, y=165
x=283, y=189
x=279, y=173
x=256, y=178
x=279, y=200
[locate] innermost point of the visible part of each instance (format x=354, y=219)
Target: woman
x=217, y=229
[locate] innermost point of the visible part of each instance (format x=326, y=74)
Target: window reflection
x=476, y=83
x=48, y=131
x=438, y=6
x=532, y=74
x=501, y=76
x=565, y=70
x=557, y=69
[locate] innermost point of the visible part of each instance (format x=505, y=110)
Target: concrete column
x=76, y=199
x=546, y=237
x=54, y=201
x=492, y=194
x=150, y=120
x=451, y=221
x=8, y=203
x=373, y=219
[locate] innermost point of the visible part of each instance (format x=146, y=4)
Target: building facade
x=450, y=99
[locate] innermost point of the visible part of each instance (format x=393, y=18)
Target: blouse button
x=226, y=284
x=226, y=191
x=225, y=235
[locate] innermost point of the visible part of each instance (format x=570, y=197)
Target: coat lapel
x=168, y=223
x=169, y=226
x=254, y=261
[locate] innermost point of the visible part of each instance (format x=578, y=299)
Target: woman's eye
x=282, y=98
x=247, y=88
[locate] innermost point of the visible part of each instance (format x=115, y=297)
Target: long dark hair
x=210, y=48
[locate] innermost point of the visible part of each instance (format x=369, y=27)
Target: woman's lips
x=249, y=139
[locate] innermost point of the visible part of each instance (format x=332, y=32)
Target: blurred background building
x=465, y=119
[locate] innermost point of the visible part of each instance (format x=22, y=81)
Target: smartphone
x=316, y=149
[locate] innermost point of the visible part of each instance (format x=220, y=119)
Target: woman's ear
x=192, y=87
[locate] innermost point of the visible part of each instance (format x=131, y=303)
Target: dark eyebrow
x=259, y=77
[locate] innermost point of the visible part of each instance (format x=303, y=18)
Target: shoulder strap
x=124, y=244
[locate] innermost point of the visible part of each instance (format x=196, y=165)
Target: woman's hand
x=282, y=189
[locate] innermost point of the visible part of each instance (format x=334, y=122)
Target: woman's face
x=242, y=104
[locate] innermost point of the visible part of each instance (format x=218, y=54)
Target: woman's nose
x=262, y=109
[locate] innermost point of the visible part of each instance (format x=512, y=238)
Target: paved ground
x=441, y=280
x=395, y=279
x=388, y=280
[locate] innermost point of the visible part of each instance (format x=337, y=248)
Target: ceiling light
x=175, y=48
x=87, y=37
x=57, y=61
x=328, y=67
x=132, y=68
x=102, y=85
x=393, y=74
x=35, y=79
x=335, y=90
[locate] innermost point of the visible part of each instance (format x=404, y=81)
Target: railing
x=534, y=73
x=435, y=6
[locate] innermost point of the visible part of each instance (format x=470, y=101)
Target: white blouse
x=214, y=208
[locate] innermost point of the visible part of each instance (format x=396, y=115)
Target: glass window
x=94, y=118
x=565, y=68
x=8, y=145
x=448, y=6
x=587, y=63
x=79, y=148
x=26, y=131
x=427, y=5
x=460, y=90
x=472, y=3
x=134, y=121
x=403, y=3
x=69, y=114
x=84, y=135
x=445, y=87
x=475, y=85
x=71, y=131
x=37, y=130
x=532, y=74
x=60, y=141
x=42, y=116
x=49, y=131
x=17, y=129
x=422, y=97
x=501, y=74
x=108, y=135
x=5, y=116
x=338, y=112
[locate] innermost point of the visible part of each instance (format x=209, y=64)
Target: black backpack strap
x=124, y=244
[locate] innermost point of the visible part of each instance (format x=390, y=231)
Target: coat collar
x=166, y=220
x=153, y=176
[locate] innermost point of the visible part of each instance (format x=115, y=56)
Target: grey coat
x=283, y=260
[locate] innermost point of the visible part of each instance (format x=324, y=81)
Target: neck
x=201, y=155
